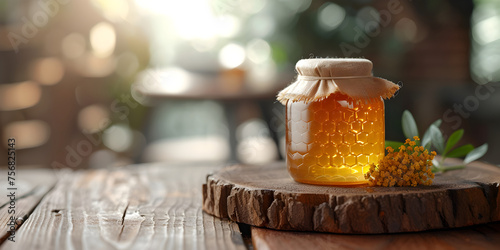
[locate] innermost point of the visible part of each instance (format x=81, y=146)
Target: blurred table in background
x=241, y=97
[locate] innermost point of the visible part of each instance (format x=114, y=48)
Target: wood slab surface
x=266, y=196
x=484, y=237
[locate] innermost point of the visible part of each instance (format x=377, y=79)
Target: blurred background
x=97, y=83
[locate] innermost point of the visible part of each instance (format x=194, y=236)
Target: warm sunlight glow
x=195, y=19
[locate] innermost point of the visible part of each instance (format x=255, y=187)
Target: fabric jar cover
x=318, y=78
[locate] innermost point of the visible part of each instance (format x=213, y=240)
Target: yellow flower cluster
x=410, y=166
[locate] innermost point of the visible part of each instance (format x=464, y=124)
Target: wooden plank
x=266, y=196
x=31, y=186
x=26, y=181
x=476, y=237
x=139, y=207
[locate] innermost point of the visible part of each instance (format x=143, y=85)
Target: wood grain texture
x=26, y=181
x=139, y=207
x=31, y=186
x=266, y=196
x=475, y=237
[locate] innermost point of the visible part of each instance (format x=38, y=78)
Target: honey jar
x=335, y=126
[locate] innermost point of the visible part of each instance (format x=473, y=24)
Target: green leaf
x=426, y=140
x=476, y=153
x=460, y=151
x=394, y=144
x=409, y=126
x=437, y=139
x=452, y=141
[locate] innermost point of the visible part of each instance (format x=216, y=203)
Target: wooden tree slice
x=266, y=196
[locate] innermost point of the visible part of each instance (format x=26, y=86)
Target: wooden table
x=154, y=206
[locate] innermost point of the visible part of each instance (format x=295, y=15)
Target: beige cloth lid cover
x=320, y=77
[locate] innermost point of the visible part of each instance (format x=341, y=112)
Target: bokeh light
x=485, y=23
x=330, y=16
x=73, y=45
x=93, y=118
x=103, y=158
x=257, y=150
x=252, y=128
x=231, y=56
x=114, y=10
x=118, y=138
x=255, y=144
x=90, y=65
x=20, y=95
x=47, y=71
x=102, y=39
x=163, y=81
x=28, y=134
x=485, y=62
x=406, y=30
x=258, y=50
x=485, y=31
x=261, y=77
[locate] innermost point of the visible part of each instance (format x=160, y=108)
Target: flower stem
x=443, y=169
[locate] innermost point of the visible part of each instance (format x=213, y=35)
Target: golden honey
x=334, y=141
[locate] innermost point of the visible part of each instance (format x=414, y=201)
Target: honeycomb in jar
x=334, y=141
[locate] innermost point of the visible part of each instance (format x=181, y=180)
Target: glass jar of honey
x=335, y=121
